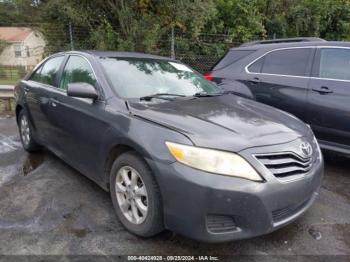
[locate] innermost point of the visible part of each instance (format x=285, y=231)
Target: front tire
x=25, y=133
x=135, y=195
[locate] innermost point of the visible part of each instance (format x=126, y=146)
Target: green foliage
x=304, y=19
x=336, y=20
x=11, y=74
x=18, y=12
x=239, y=19
x=206, y=27
x=105, y=37
x=138, y=29
x=328, y=19
x=3, y=45
x=274, y=15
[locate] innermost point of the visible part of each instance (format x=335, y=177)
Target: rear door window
x=49, y=71
x=291, y=62
x=231, y=57
x=334, y=63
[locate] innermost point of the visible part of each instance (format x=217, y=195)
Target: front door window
x=77, y=70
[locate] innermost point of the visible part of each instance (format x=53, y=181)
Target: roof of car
x=120, y=54
x=268, y=46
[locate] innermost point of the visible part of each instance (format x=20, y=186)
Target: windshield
x=136, y=78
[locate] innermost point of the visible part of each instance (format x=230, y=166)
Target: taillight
x=208, y=76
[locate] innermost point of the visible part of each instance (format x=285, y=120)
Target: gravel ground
x=48, y=208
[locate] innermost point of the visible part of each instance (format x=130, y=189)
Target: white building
x=26, y=47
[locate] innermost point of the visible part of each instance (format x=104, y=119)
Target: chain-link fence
x=201, y=63
x=200, y=51
x=10, y=74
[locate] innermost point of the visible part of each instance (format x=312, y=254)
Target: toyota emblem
x=306, y=149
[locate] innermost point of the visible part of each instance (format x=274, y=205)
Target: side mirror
x=82, y=90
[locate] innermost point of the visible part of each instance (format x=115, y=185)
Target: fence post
x=8, y=106
x=172, y=43
x=71, y=36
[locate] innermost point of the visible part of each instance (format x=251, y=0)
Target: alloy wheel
x=25, y=131
x=131, y=195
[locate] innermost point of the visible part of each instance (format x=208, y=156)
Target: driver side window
x=77, y=69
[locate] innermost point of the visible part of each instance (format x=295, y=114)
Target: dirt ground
x=48, y=208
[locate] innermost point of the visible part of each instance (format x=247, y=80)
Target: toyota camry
x=174, y=150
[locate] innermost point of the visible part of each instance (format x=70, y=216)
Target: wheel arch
x=19, y=108
x=114, y=152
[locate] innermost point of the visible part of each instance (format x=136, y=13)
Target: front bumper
x=215, y=208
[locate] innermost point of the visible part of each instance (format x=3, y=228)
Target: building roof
x=14, y=34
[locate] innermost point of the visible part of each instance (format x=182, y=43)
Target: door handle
x=54, y=102
x=323, y=90
x=254, y=80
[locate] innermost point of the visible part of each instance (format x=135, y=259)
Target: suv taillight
x=208, y=76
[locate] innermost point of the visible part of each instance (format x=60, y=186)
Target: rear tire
x=25, y=133
x=136, y=196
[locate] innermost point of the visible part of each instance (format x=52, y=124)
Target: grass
x=10, y=75
x=3, y=104
x=8, y=81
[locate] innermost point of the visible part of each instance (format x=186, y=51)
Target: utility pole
x=71, y=36
x=172, y=55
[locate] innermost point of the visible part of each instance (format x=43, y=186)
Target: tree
x=3, y=45
x=238, y=18
x=274, y=16
x=206, y=27
x=335, y=20
x=328, y=19
x=18, y=12
x=138, y=25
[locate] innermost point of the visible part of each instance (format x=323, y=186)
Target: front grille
x=221, y=224
x=283, y=213
x=285, y=164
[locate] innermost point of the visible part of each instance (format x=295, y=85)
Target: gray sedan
x=174, y=151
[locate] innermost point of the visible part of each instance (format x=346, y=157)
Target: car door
x=280, y=78
x=78, y=122
x=37, y=91
x=328, y=108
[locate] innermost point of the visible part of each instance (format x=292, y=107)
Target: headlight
x=213, y=161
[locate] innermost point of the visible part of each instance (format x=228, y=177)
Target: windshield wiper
x=160, y=96
x=205, y=94
x=225, y=92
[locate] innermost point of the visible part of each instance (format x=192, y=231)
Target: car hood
x=226, y=122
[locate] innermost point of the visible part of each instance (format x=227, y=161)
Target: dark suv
x=308, y=77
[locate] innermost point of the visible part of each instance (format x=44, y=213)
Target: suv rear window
x=230, y=57
x=256, y=66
